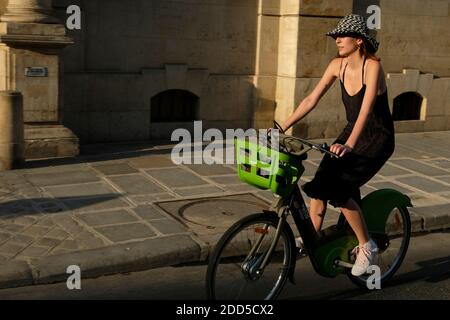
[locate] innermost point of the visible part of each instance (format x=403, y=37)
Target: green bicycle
x=257, y=254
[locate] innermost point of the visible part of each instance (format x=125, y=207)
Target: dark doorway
x=407, y=106
x=174, y=106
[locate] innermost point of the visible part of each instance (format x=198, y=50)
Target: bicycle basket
x=266, y=168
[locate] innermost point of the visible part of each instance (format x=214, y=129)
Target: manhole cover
x=208, y=215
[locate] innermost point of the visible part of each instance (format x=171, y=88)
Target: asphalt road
x=424, y=275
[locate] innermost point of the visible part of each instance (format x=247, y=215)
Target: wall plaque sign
x=36, y=72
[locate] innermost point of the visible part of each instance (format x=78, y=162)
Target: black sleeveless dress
x=339, y=179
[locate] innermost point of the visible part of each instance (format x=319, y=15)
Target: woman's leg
x=353, y=214
x=317, y=211
x=367, y=249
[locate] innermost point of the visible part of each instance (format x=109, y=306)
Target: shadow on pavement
x=119, y=151
x=102, y=154
x=433, y=270
x=22, y=207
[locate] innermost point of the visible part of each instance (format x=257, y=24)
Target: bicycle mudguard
x=377, y=206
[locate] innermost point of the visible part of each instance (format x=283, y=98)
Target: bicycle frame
x=320, y=245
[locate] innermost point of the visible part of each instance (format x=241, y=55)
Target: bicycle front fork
x=253, y=266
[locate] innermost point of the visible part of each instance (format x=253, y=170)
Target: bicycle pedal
x=301, y=252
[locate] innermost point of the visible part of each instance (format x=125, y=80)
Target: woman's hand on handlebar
x=340, y=149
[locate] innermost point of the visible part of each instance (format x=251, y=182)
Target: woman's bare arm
x=311, y=101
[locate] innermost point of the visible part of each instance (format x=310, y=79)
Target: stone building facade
x=139, y=69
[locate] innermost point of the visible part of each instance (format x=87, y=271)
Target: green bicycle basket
x=266, y=168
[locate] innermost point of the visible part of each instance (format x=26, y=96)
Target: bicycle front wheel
x=234, y=266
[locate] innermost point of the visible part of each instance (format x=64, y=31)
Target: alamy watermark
x=191, y=150
x=74, y=20
x=374, y=280
x=374, y=20
x=74, y=280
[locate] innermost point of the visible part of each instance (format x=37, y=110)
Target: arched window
x=174, y=106
x=407, y=106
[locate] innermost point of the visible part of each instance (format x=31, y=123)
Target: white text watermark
x=74, y=280
x=191, y=148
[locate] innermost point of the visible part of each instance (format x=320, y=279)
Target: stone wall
x=129, y=51
x=248, y=61
x=3, y=4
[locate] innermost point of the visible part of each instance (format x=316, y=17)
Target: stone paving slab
x=366, y=189
x=80, y=190
x=115, y=169
x=425, y=184
x=52, y=179
x=390, y=170
x=226, y=180
x=106, y=217
x=151, y=162
x=211, y=170
x=267, y=195
x=124, y=232
x=419, y=167
x=95, y=203
x=391, y=185
x=187, y=192
x=149, y=212
x=150, y=198
x=442, y=163
x=169, y=226
x=444, y=179
x=404, y=152
x=239, y=188
x=135, y=184
x=176, y=177
x=310, y=168
x=55, y=169
x=424, y=199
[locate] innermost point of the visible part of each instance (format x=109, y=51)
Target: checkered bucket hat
x=354, y=24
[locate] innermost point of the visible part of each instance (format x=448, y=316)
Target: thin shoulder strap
x=340, y=68
x=364, y=63
x=343, y=74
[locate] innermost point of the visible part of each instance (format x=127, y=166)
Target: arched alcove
x=174, y=106
x=408, y=106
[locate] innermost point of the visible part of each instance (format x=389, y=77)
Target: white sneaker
x=364, y=257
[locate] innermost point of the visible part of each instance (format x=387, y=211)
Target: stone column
x=11, y=130
x=31, y=43
x=29, y=11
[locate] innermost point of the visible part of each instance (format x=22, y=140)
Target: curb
x=148, y=254
x=432, y=218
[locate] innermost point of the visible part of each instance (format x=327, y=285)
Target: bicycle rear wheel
x=233, y=272
x=392, y=245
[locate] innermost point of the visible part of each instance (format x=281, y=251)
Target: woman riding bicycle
x=366, y=142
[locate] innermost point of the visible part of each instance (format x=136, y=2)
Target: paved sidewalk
x=134, y=209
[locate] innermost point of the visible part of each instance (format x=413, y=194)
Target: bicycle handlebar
x=296, y=145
